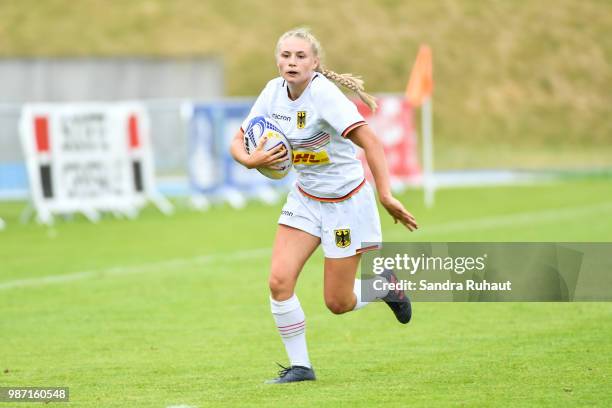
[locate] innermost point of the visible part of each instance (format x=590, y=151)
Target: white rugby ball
x=261, y=126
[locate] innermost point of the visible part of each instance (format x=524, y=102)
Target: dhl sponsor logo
x=310, y=158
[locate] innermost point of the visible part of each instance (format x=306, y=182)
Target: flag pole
x=419, y=92
x=429, y=185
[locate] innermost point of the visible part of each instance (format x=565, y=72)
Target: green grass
x=528, y=75
x=175, y=312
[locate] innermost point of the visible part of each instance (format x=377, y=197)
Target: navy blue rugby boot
x=397, y=300
x=293, y=374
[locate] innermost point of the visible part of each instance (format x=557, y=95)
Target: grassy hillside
x=513, y=74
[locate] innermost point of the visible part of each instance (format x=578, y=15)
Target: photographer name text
x=425, y=285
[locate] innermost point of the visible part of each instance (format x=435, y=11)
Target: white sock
x=357, y=291
x=365, y=293
x=291, y=324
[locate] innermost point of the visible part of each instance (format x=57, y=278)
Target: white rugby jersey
x=316, y=125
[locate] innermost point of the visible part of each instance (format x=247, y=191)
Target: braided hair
x=349, y=81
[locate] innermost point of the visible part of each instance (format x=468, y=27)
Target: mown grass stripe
x=464, y=225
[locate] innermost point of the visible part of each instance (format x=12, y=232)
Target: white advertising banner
x=87, y=158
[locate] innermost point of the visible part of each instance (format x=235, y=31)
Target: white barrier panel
x=87, y=158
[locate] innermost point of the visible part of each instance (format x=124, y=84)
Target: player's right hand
x=266, y=158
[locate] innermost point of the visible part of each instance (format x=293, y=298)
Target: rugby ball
x=259, y=127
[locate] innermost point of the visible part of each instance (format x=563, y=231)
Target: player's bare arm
x=364, y=137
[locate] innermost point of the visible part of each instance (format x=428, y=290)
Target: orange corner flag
x=420, y=85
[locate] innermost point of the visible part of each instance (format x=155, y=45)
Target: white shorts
x=344, y=227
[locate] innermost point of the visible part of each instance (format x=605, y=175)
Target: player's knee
x=338, y=305
x=279, y=285
x=276, y=283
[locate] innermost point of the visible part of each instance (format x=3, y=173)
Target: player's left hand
x=397, y=211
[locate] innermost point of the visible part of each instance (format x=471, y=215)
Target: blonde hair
x=350, y=81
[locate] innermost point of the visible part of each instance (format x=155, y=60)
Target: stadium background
x=165, y=311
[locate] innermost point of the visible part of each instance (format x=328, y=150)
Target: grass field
x=164, y=311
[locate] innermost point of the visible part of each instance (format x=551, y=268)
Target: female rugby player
x=331, y=203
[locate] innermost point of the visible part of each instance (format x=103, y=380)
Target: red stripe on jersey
x=334, y=200
x=353, y=126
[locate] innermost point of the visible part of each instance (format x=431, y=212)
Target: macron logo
x=281, y=117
